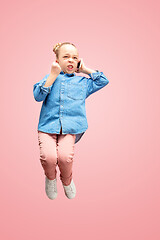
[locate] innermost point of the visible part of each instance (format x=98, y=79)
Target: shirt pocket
x=75, y=91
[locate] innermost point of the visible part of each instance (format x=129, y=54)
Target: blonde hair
x=57, y=46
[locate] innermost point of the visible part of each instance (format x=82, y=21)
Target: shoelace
x=71, y=189
x=52, y=184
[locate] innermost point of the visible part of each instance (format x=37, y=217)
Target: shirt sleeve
x=39, y=91
x=96, y=81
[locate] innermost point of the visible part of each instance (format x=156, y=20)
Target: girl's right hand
x=55, y=68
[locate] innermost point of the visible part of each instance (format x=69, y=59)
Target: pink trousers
x=57, y=149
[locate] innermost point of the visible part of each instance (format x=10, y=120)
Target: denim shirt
x=64, y=102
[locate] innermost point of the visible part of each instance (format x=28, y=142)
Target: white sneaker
x=70, y=190
x=51, y=188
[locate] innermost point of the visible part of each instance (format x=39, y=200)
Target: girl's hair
x=57, y=46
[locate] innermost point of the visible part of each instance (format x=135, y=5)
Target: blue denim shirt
x=64, y=102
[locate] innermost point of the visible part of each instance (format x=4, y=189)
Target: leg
x=65, y=147
x=48, y=153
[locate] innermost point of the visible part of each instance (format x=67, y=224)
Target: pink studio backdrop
x=116, y=163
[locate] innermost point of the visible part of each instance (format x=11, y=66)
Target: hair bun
x=56, y=46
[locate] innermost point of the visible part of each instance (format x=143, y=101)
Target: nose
x=70, y=60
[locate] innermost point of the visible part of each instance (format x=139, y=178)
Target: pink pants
x=57, y=149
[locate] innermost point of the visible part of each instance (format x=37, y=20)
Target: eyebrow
x=69, y=54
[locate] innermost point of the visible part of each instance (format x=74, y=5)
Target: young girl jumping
x=62, y=120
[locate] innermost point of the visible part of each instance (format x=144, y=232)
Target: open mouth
x=70, y=67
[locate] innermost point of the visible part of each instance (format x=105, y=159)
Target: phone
x=79, y=64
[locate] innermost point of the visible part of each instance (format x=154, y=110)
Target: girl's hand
x=55, y=68
x=82, y=67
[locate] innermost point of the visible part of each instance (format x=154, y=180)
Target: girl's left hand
x=82, y=66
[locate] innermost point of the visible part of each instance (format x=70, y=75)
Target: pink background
x=116, y=164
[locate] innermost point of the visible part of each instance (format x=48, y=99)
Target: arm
x=96, y=81
x=88, y=70
x=43, y=87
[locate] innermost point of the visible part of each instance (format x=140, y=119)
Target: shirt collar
x=68, y=74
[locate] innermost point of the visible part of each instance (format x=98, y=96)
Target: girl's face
x=68, y=58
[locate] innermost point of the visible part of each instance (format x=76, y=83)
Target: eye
x=75, y=57
x=65, y=56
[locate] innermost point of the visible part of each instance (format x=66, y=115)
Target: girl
x=62, y=120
